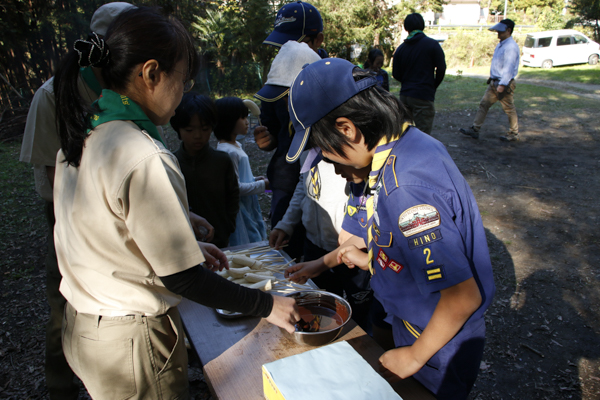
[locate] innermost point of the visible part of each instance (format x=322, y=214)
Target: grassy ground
x=458, y=93
x=21, y=210
x=582, y=73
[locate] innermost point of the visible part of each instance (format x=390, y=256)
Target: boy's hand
x=197, y=223
x=278, y=238
x=216, y=260
x=399, y=364
x=264, y=140
x=263, y=178
x=302, y=272
x=353, y=257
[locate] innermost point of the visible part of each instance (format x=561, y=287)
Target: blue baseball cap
x=295, y=21
x=503, y=25
x=320, y=88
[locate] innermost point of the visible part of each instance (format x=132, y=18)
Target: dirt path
x=539, y=203
x=586, y=90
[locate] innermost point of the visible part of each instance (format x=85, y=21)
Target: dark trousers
x=279, y=205
x=59, y=376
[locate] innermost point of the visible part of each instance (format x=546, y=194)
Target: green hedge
x=477, y=47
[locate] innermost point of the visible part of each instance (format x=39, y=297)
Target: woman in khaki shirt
x=125, y=246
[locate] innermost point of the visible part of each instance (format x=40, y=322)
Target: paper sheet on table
x=335, y=371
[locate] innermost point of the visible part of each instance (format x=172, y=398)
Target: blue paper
x=330, y=372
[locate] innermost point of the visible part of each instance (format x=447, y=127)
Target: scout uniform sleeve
x=293, y=214
x=40, y=139
x=428, y=231
x=153, y=201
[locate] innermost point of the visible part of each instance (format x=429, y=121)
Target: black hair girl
x=134, y=37
x=373, y=54
x=229, y=111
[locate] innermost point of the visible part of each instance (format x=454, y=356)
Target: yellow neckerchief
x=382, y=152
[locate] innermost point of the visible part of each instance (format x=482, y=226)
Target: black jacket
x=420, y=66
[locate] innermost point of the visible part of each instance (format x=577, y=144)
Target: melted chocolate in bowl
x=320, y=318
x=323, y=317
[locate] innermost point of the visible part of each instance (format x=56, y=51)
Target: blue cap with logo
x=294, y=22
x=320, y=88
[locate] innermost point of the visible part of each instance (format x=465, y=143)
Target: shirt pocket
x=382, y=238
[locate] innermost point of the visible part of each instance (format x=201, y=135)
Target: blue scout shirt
x=427, y=231
x=355, y=218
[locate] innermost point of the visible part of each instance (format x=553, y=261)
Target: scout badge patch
x=395, y=266
x=375, y=198
x=418, y=219
x=382, y=259
x=424, y=240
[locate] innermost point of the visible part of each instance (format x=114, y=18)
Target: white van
x=560, y=47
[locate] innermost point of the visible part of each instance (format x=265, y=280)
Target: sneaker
x=470, y=132
x=511, y=137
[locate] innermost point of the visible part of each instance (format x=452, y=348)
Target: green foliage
x=551, y=19
x=361, y=22
x=468, y=48
x=589, y=14
x=230, y=34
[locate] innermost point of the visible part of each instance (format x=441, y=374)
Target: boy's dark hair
x=229, y=111
x=373, y=54
x=374, y=111
x=413, y=22
x=194, y=104
x=134, y=37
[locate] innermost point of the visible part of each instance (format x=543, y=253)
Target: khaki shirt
x=41, y=140
x=121, y=222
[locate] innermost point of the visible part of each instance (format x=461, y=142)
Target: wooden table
x=232, y=352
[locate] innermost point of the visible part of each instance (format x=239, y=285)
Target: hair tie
x=93, y=51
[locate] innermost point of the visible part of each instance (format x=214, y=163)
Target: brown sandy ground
x=540, y=207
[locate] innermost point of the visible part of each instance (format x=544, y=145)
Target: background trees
x=589, y=14
x=35, y=34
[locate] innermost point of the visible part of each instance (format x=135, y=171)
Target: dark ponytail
x=134, y=37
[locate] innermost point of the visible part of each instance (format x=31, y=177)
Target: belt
x=97, y=318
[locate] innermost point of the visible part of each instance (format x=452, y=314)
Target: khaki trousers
x=508, y=105
x=130, y=357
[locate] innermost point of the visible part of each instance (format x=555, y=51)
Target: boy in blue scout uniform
x=427, y=248
x=299, y=22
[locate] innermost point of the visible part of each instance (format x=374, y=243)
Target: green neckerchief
x=413, y=33
x=90, y=79
x=116, y=107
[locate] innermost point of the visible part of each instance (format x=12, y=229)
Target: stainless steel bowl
x=327, y=300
